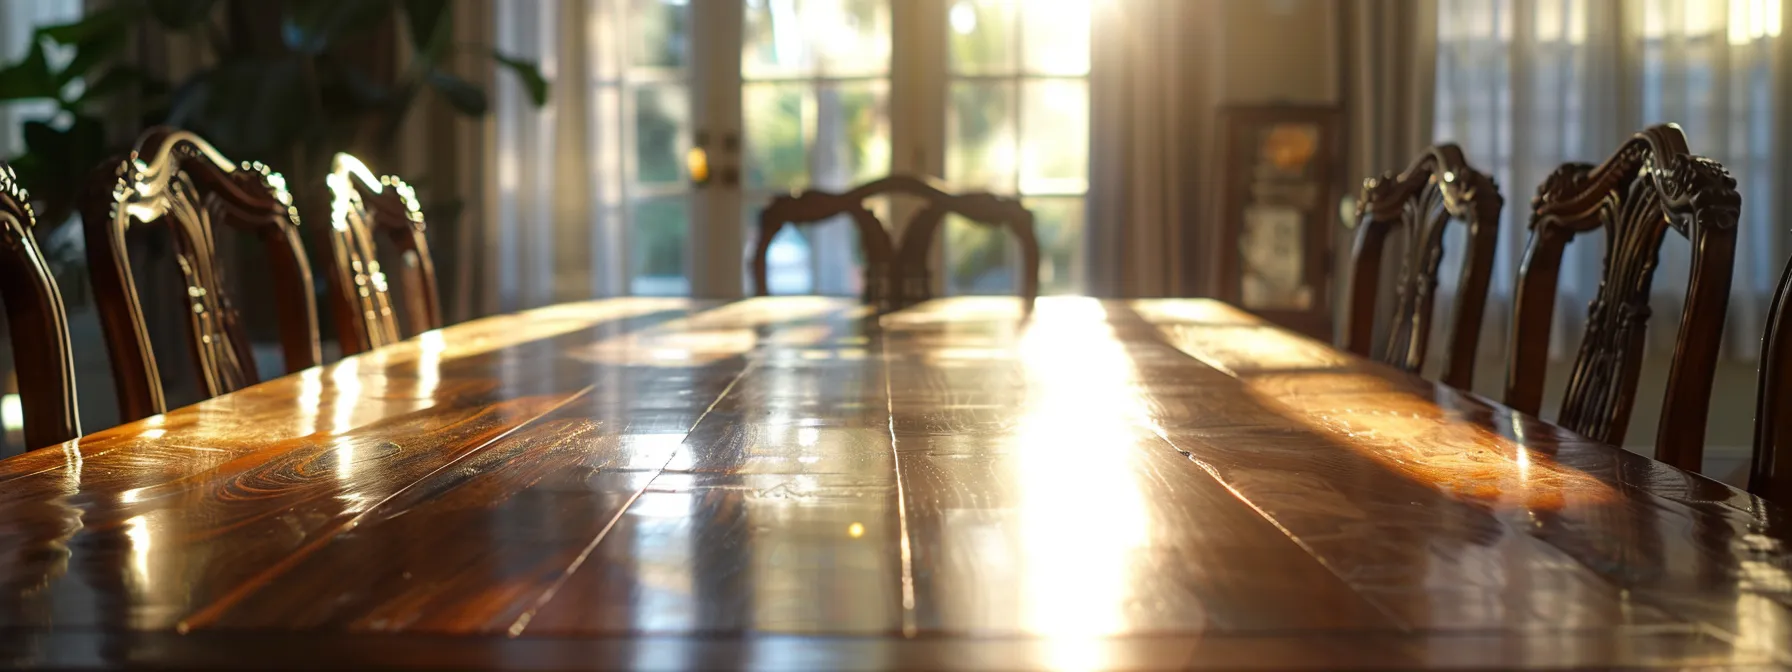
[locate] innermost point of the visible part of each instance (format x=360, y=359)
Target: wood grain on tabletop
x=796, y=482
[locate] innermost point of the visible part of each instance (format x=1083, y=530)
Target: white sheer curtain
x=1526, y=85
x=549, y=217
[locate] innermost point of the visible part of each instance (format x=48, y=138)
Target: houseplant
x=286, y=82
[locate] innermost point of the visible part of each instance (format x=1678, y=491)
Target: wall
x=1279, y=51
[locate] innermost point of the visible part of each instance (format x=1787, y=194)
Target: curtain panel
x=1149, y=108
x=1389, y=76
x=1526, y=85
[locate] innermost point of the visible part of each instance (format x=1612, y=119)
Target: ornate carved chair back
x=912, y=277
x=896, y=276
x=363, y=209
x=42, y=356
x=1420, y=203
x=1651, y=186
x=813, y=206
x=175, y=179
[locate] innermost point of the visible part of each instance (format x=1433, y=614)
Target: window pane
x=1058, y=222
x=658, y=241
x=787, y=263
x=852, y=134
x=980, y=149
x=662, y=33
x=1055, y=136
x=775, y=117
x=981, y=34
x=786, y=38
x=853, y=36
x=818, y=258
x=1056, y=36
x=662, y=126
x=979, y=258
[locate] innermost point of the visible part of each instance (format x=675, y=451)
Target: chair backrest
x=1652, y=185
x=364, y=208
x=175, y=178
x=1421, y=201
x=913, y=279
x=42, y=358
x=812, y=206
x=1770, y=472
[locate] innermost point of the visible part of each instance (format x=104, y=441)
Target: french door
x=702, y=110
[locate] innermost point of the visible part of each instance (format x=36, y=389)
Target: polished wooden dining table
x=803, y=483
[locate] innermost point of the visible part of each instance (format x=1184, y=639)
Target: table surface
x=795, y=482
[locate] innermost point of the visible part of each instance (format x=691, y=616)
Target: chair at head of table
x=897, y=275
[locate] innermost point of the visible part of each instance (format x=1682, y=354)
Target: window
x=772, y=96
x=645, y=86
x=1018, y=123
x=815, y=101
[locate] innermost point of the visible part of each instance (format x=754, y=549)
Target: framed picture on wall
x=1278, y=205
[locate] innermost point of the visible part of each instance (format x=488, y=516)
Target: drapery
x=553, y=198
x=1391, y=57
x=1526, y=85
x=1146, y=88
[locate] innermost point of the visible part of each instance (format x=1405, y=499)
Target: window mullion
x=717, y=232
x=918, y=84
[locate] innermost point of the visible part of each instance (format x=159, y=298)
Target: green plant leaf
x=84, y=138
x=87, y=144
x=42, y=138
x=58, y=160
x=311, y=26
x=30, y=169
x=527, y=71
x=29, y=78
x=113, y=19
x=122, y=78
x=465, y=96
x=348, y=88
x=429, y=22
x=90, y=52
x=180, y=14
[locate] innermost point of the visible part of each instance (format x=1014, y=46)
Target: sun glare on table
x=1073, y=439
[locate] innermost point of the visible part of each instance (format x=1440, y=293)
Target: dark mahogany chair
x=898, y=276
x=41, y=353
x=912, y=278
x=1770, y=473
x=812, y=206
x=1420, y=202
x=1651, y=186
x=364, y=209
x=178, y=181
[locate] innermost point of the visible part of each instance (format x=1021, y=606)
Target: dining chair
x=175, y=179
x=912, y=278
x=42, y=357
x=1770, y=470
x=1421, y=202
x=814, y=205
x=363, y=209
x=898, y=275
x=1650, y=186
